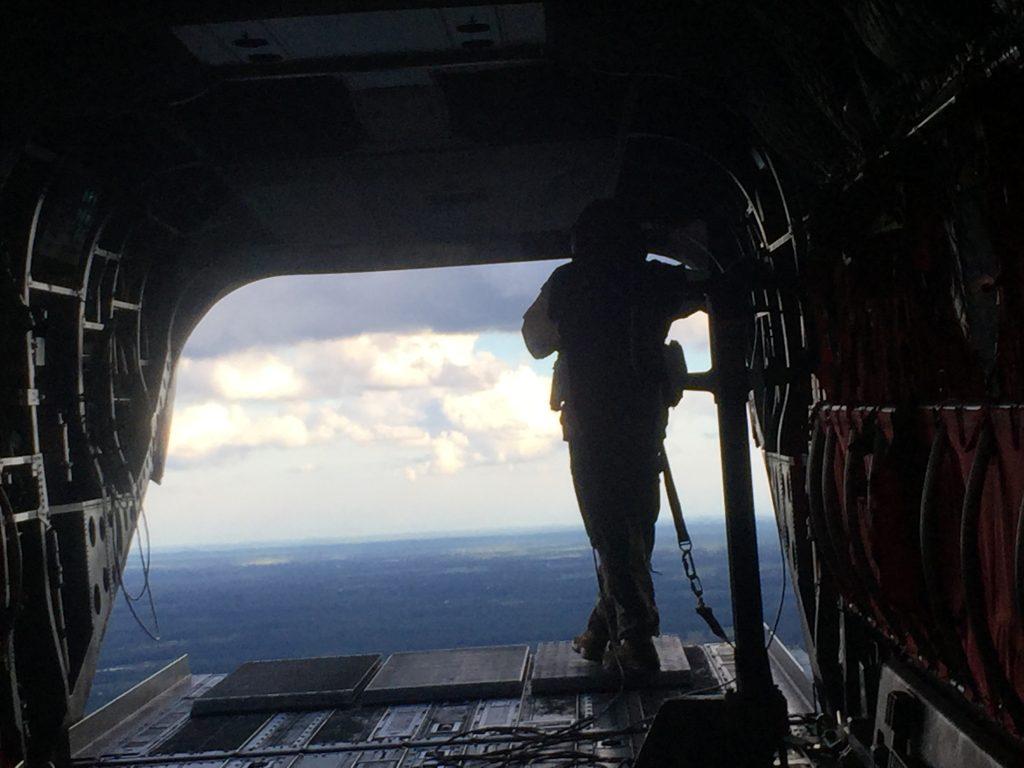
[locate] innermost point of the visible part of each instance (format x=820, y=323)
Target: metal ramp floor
x=419, y=724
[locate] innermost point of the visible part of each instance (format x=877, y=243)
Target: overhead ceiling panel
x=248, y=121
x=402, y=117
x=373, y=33
x=206, y=46
x=472, y=28
x=362, y=34
x=452, y=196
x=531, y=103
x=521, y=24
x=233, y=42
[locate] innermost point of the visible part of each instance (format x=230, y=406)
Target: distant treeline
x=227, y=606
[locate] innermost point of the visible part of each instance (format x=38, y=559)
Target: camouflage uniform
x=608, y=323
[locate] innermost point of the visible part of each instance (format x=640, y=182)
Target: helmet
x=606, y=232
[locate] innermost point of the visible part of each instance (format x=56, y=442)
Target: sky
x=388, y=404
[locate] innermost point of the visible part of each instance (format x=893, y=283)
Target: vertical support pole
x=729, y=324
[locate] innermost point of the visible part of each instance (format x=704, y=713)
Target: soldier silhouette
x=607, y=314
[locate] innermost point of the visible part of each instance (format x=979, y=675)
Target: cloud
x=445, y=401
x=691, y=332
x=328, y=423
x=390, y=361
x=256, y=376
x=204, y=429
x=440, y=398
x=450, y=449
x=512, y=415
x=285, y=310
x=329, y=368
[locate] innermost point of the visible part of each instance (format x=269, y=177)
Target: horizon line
x=429, y=535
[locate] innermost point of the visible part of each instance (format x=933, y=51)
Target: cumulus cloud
x=328, y=423
x=447, y=403
x=512, y=415
x=450, y=449
x=390, y=361
x=368, y=363
x=248, y=375
x=256, y=377
x=207, y=428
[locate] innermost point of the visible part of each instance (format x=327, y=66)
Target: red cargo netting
x=924, y=508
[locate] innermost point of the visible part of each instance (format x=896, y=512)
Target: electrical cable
x=466, y=738
x=534, y=742
x=126, y=511
x=146, y=590
x=146, y=565
x=114, y=500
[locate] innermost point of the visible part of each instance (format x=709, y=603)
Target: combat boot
x=635, y=656
x=590, y=645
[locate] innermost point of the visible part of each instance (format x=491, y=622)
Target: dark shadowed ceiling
x=349, y=135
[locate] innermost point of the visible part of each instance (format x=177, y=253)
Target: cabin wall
x=86, y=381
x=901, y=495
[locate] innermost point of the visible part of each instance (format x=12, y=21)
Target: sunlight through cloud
x=255, y=377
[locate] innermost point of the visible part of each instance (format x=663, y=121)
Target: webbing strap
x=682, y=535
x=686, y=551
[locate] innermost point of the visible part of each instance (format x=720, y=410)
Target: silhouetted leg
x=602, y=616
x=586, y=482
x=617, y=488
x=647, y=503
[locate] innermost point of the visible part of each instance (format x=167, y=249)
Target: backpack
x=676, y=374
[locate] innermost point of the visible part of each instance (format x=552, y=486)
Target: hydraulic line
x=1018, y=563
x=831, y=513
x=825, y=548
x=931, y=559
x=974, y=586
x=855, y=454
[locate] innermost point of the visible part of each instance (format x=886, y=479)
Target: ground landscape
x=226, y=606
